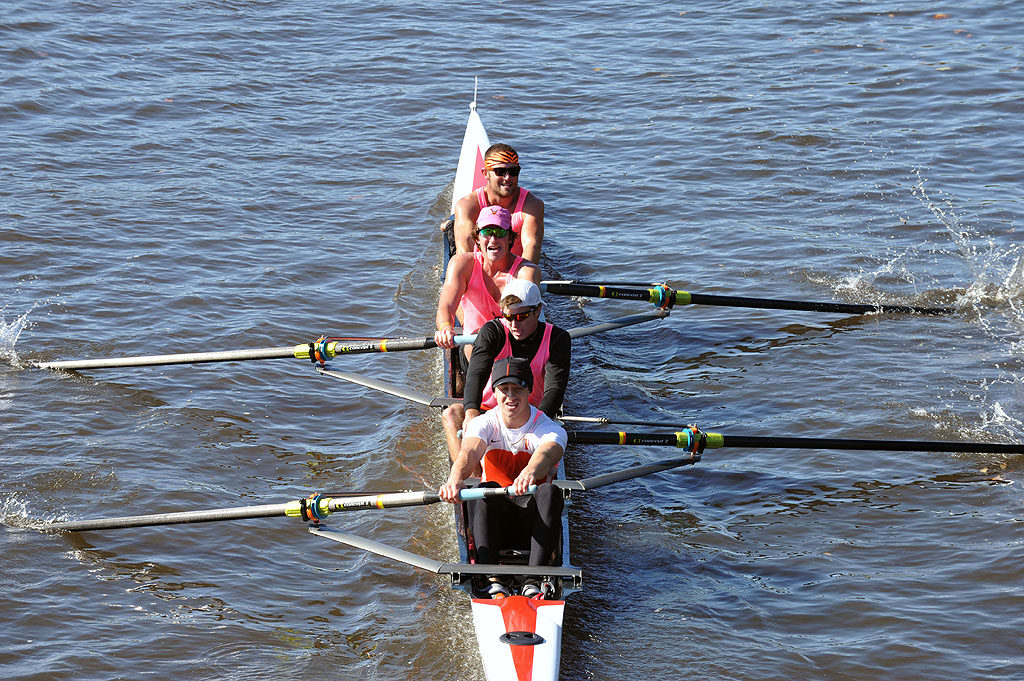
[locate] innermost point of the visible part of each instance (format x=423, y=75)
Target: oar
x=389, y=388
x=426, y=400
x=316, y=507
x=439, y=567
x=321, y=349
x=717, y=440
x=665, y=297
x=319, y=506
x=580, y=331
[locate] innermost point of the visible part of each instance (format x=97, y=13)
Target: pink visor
x=494, y=215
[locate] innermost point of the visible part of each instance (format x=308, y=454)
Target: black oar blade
x=760, y=442
x=682, y=297
x=664, y=296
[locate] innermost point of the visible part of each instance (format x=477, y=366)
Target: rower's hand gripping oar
x=661, y=295
x=318, y=351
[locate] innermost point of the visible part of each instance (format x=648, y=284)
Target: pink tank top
x=478, y=307
x=517, y=215
x=537, y=365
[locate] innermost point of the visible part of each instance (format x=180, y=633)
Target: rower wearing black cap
x=516, y=445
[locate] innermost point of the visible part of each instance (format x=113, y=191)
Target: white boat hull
x=520, y=639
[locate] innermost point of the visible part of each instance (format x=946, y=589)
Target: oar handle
x=477, y=493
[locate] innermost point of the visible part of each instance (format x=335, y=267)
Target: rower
x=516, y=445
x=501, y=175
x=474, y=280
x=518, y=332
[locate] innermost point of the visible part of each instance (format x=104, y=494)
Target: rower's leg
x=452, y=419
x=490, y=518
x=547, y=524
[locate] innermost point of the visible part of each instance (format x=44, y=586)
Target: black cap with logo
x=512, y=370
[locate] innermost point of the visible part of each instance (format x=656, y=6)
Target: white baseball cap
x=523, y=289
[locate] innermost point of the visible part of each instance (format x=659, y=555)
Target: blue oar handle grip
x=477, y=493
x=465, y=339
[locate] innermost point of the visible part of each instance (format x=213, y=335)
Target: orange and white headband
x=496, y=157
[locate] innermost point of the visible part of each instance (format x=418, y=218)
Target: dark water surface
x=188, y=176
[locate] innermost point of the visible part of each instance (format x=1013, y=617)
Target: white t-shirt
x=509, y=449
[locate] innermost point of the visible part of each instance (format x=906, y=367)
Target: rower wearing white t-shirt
x=517, y=446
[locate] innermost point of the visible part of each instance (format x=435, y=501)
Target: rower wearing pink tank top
x=517, y=333
x=501, y=188
x=474, y=280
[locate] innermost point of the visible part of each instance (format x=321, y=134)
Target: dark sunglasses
x=498, y=232
x=518, y=316
x=502, y=172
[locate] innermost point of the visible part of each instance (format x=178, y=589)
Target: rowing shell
x=520, y=639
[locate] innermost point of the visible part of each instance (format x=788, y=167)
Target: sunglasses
x=502, y=172
x=518, y=316
x=498, y=232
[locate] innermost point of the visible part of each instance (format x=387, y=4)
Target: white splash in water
x=994, y=299
x=997, y=420
x=863, y=284
x=9, y=334
x=996, y=291
x=14, y=511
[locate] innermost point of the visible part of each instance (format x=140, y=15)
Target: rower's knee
x=549, y=496
x=452, y=417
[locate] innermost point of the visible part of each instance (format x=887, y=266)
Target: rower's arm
x=470, y=455
x=486, y=347
x=465, y=223
x=455, y=281
x=532, y=231
x=529, y=271
x=542, y=462
x=448, y=304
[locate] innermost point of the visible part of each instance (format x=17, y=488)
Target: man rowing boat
x=517, y=333
x=501, y=172
x=516, y=445
x=474, y=280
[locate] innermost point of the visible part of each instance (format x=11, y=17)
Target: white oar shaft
x=177, y=518
x=185, y=358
